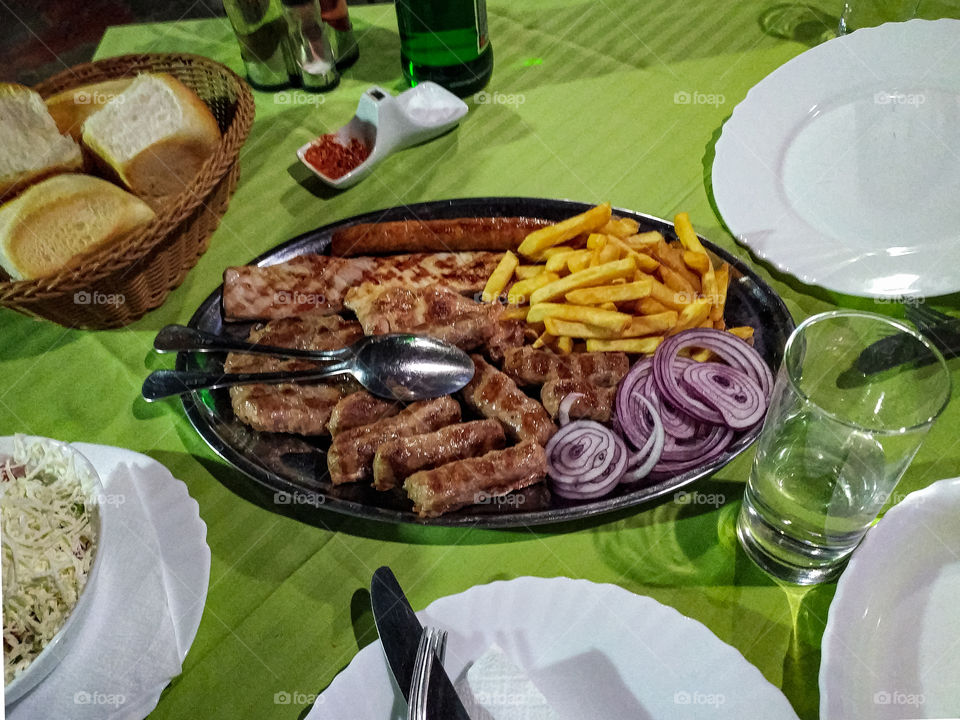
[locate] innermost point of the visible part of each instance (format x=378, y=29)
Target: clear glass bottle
x=446, y=42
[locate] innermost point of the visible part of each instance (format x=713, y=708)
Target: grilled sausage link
x=350, y=457
x=465, y=482
x=398, y=459
x=534, y=367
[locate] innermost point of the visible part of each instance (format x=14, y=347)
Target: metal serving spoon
x=398, y=366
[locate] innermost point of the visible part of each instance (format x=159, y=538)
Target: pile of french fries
x=594, y=282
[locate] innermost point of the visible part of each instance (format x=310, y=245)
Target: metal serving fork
x=433, y=644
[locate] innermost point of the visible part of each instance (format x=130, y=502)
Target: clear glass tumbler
x=835, y=443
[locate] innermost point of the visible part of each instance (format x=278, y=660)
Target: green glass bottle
x=446, y=42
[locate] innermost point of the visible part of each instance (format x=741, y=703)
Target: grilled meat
x=473, y=480
x=436, y=311
x=534, y=367
x=494, y=395
x=320, y=282
x=398, y=459
x=290, y=407
x=360, y=408
x=475, y=233
x=350, y=458
x=595, y=403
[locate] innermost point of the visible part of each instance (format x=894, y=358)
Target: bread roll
x=31, y=148
x=54, y=221
x=72, y=107
x=154, y=136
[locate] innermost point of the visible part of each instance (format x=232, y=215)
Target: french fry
x=558, y=250
x=541, y=239
x=514, y=313
x=620, y=227
x=608, y=253
x=698, y=262
x=564, y=345
x=638, y=346
x=584, y=278
x=720, y=324
x=645, y=242
x=608, y=306
x=701, y=355
x=519, y=293
x=596, y=240
x=644, y=262
x=658, y=324
x=525, y=272
x=689, y=239
x=500, y=277
x=558, y=262
x=672, y=257
x=568, y=328
x=576, y=263
x=649, y=306
x=544, y=340
x=744, y=332
x=669, y=298
x=610, y=293
x=616, y=321
x=694, y=314
x=675, y=281
x=722, y=276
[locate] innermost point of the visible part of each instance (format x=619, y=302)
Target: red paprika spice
x=334, y=159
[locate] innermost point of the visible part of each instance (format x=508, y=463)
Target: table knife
x=400, y=634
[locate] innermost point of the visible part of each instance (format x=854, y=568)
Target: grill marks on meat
x=534, y=367
x=494, y=395
x=320, y=282
x=436, y=311
x=291, y=407
x=595, y=403
x=360, y=408
x=464, y=482
x=350, y=458
x=398, y=459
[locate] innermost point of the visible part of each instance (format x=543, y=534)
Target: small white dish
x=386, y=124
x=599, y=652
x=889, y=650
x=63, y=640
x=840, y=166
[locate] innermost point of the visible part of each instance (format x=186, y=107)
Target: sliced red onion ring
x=711, y=440
x=585, y=460
x=563, y=414
x=735, y=396
x=642, y=462
x=733, y=350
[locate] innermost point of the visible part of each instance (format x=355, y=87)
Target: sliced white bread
x=154, y=136
x=31, y=147
x=71, y=107
x=53, y=222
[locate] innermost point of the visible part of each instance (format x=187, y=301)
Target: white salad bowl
x=59, y=646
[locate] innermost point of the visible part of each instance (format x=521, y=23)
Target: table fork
x=433, y=644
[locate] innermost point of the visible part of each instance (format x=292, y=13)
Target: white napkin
x=128, y=641
x=496, y=689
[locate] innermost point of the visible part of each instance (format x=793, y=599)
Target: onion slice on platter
x=734, y=351
x=585, y=460
x=729, y=391
x=642, y=462
x=563, y=412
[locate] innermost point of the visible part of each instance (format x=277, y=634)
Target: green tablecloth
x=586, y=102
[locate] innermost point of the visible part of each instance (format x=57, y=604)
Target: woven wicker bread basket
x=116, y=284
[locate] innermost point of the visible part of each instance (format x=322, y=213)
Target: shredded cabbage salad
x=48, y=537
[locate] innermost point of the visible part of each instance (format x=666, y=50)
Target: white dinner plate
x=151, y=516
x=891, y=648
x=594, y=651
x=842, y=167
